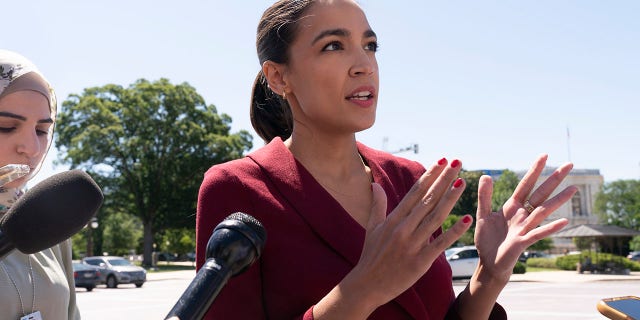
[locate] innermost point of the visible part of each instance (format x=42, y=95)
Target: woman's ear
x=274, y=73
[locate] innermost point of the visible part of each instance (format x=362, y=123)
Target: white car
x=463, y=261
x=117, y=270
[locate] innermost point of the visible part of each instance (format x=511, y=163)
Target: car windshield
x=119, y=262
x=449, y=252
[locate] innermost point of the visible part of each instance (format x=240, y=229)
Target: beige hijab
x=17, y=73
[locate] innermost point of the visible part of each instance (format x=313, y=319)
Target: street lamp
x=93, y=224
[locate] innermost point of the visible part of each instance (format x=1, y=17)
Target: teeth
x=362, y=94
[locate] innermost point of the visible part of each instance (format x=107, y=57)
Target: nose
x=364, y=63
x=29, y=144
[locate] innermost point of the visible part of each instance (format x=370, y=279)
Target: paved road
x=535, y=295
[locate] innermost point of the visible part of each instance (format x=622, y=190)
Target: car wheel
x=89, y=289
x=112, y=282
x=138, y=285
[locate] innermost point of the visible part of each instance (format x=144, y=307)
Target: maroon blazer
x=312, y=242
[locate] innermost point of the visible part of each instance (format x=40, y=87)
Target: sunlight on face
x=25, y=130
x=333, y=71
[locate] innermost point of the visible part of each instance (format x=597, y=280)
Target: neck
x=333, y=158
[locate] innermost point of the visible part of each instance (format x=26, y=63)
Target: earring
x=284, y=95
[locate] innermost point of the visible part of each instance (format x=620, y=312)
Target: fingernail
x=442, y=161
x=457, y=183
x=466, y=219
x=455, y=163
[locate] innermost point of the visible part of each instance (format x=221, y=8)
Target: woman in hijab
x=39, y=285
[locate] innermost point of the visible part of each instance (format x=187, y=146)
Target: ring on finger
x=527, y=206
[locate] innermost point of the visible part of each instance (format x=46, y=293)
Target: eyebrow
x=22, y=118
x=341, y=33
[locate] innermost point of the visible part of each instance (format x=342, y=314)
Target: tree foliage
x=148, y=147
x=542, y=245
x=122, y=233
x=618, y=203
x=468, y=202
x=503, y=188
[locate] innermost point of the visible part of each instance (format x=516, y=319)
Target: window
x=576, y=204
x=466, y=254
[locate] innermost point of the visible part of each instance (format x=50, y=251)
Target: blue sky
x=493, y=83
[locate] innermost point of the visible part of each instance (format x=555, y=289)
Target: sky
x=492, y=83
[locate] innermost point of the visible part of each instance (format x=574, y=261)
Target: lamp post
x=93, y=224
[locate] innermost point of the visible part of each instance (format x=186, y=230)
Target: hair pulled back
x=270, y=114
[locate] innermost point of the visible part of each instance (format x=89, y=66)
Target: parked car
x=532, y=254
x=463, y=261
x=117, y=270
x=85, y=276
x=634, y=255
x=166, y=256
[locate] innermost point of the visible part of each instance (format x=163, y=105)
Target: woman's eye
x=42, y=132
x=6, y=129
x=372, y=46
x=333, y=46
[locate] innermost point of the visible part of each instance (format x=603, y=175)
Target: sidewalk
x=171, y=275
x=571, y=276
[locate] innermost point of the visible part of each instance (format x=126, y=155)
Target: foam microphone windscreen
x=52, y=211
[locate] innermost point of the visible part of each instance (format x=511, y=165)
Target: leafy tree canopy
x=148, y=147
x=619, y=203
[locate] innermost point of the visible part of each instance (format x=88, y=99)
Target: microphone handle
x=203, y=289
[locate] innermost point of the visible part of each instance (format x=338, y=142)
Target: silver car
x=117, y=270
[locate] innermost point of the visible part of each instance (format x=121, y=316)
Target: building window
x=576, y=205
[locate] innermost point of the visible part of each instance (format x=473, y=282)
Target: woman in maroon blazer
x=353, y=233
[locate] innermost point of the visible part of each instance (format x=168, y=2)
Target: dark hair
x=270, y=113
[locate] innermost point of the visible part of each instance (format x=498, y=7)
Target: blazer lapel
x=323, y=213
x=310, y=200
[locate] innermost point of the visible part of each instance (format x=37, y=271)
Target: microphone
x=49, y=213
x=234, y=245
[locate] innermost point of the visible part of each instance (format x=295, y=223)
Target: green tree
x=468, y=202
x=503, y=188
x=618, y=203
x=180, y=241
x=634, y=244
x=148, y=147
x=542, y=245
x=122, y=233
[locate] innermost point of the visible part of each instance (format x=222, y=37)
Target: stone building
x=580, y=209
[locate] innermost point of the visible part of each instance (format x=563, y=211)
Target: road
x=559, y=300
x=152, y=301
x=554, y=296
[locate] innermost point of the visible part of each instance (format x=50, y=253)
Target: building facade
x=580, y=209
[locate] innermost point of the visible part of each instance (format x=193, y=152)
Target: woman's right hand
x=398, y=248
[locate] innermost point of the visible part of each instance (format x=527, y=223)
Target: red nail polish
x=466, y=219
x=442, y=161
x=457, y=183
x=455, y=163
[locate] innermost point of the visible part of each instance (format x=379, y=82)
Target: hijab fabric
x=18, y=73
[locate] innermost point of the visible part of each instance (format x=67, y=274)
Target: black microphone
x=234, y=245
x=50, y=212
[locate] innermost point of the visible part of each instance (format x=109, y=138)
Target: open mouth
x=362, y=96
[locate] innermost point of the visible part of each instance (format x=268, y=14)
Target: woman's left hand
x=503, y=235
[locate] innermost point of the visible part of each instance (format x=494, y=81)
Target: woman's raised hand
x=398, y=249
x=503, y=235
